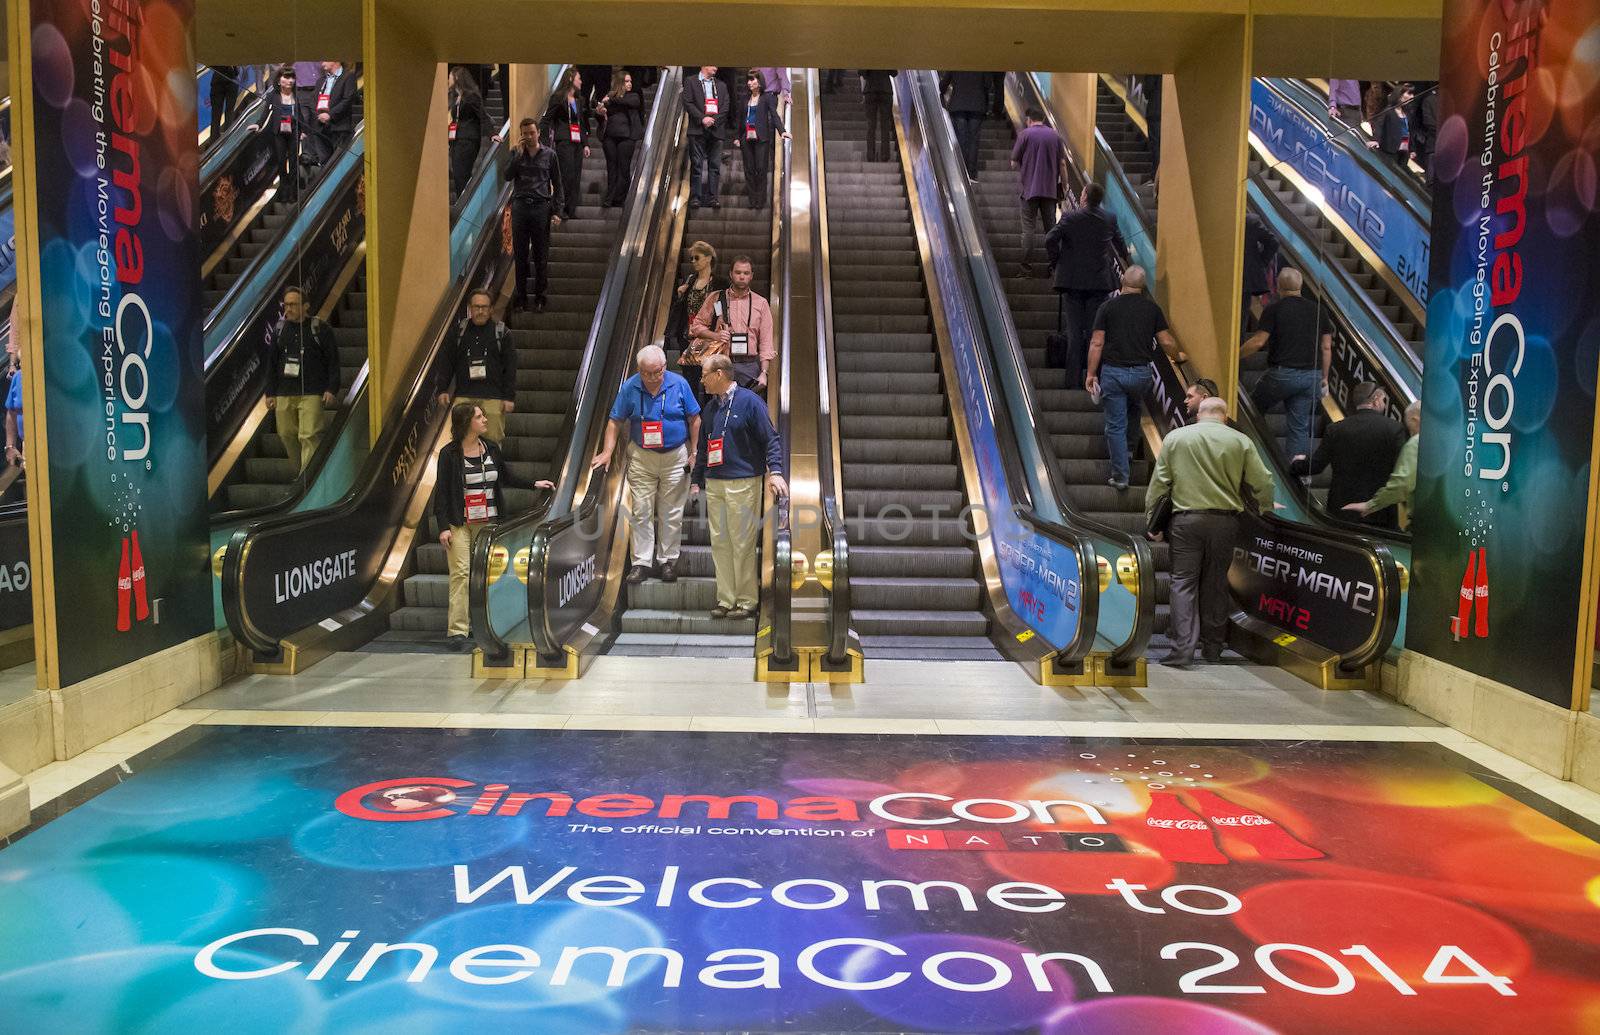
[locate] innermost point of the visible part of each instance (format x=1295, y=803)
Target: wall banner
x=1509, y=382
x=120, y=288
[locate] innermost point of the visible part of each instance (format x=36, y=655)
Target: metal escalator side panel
x=774, y=640
x=842, y=652
x=1043, y=594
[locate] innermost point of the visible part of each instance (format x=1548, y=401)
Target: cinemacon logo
x=412, y=799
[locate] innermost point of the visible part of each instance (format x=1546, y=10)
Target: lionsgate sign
x=114, y=177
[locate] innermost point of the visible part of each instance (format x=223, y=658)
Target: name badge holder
x=739, y=343
x=477, y=370
x=477, y=506
x=712, y=108
x=650, y=434
x=577, y=133
x=291, y=366
x=452, y=129
x=714, y=452
x=749, y=131
x=286, y=124
x=322, y=101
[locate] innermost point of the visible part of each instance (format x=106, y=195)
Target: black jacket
x=312, y=344
x=471, y=123
x=492, y=346
x=1260, y=247
x=970, y=92
x=625, y=116
x=535, y=177
x=768, y=122
x=1083, y=247
x=1362, y=449
x=556, y=123
x=694, y=102
x=1391, y=128
x=341, y=102
x=876, y=80
x=304, y=120
x=450, y=485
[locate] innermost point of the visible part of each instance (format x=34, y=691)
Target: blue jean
x=1299, y=391
x=1121, y=389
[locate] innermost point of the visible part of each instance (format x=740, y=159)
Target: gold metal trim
x=514, y=668
x=1103, y=676
x=1046, y=676
x=568, y=669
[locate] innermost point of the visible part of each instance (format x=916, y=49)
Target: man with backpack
x=302, y=378
x=482, y=364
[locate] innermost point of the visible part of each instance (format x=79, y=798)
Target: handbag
x=1160, y=517
x=1058, y=346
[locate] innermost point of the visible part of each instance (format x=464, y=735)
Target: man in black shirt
x=1120, y=351
x=302, y=377
x=1292, y=329
x=483, y=366
x=536, y=196
x=1362, y=449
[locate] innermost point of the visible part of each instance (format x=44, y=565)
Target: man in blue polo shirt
x=739, y=447
x=662, y=419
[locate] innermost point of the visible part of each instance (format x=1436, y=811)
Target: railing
x=1048, y=571
x=1049, y=508
x=830, y=468
x=782, y=624
x=555, y=548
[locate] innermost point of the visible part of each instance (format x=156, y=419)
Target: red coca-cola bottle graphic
x=1263, y=834
x=1480, y=593
x=1459, y=627
x=141, y=596
x=1177, y=833
x=124, y=591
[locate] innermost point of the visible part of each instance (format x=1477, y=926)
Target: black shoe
x=539, y=304
x=719, y=612
x=1117, y=483
x=459, y=644
x=638, y=573
x=668, y=571
x=694, y=203
x=1211, y=655
x=715, y=203
x=519, y=305
x=1177, y=659
x=739, y=614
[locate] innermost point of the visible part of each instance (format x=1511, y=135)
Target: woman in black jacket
x=760, y=124
x=1392, y=128
x=285, y=123
x=567, y=121
x=467, y=128
x=622, y=110
x=468, y=497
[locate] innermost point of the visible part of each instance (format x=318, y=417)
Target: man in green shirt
x=1206, y=467
x=1402, y=482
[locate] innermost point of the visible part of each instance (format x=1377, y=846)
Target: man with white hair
x=1402, y=483
x=1298, y=338
x=662, y=418
x=1205, y=468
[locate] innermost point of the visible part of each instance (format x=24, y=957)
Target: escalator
x=670, y=617
x=1071, y=418
x=550, y=348
x=915, y=584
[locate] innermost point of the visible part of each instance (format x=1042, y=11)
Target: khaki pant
x=660, y=488
x=461, y=539
x=300, y=427
x=494, y=410
x=733, y=511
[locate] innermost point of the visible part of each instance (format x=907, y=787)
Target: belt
x=1229, y=513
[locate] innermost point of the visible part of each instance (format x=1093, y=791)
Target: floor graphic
x=378, y=880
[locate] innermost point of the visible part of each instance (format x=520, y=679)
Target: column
x=1072, y=98
x=408, y=193
x=1200, y=226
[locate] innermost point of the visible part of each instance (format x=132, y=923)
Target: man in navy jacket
x=738, y=447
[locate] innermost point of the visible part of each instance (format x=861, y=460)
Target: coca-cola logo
x=1177, y=824
x=1242, y=821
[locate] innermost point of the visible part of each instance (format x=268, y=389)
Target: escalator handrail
x=218, y=149
x=1407, y=188
x=829, y=465
x=491, y=159
x=615, y=306
x=1352, y=297
x=228, y=318
x=783, y=532
x=381, y=463
x=950, y=173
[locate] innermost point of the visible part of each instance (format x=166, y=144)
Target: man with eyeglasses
x=482, y=364
x=302, y=378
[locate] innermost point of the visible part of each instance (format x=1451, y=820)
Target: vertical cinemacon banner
x=1513, y=336
x=116, y=154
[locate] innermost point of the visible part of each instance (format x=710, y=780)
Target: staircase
x=1132, y=149
x=915, y=578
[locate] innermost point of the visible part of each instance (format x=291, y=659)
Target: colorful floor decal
x=378, y=880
